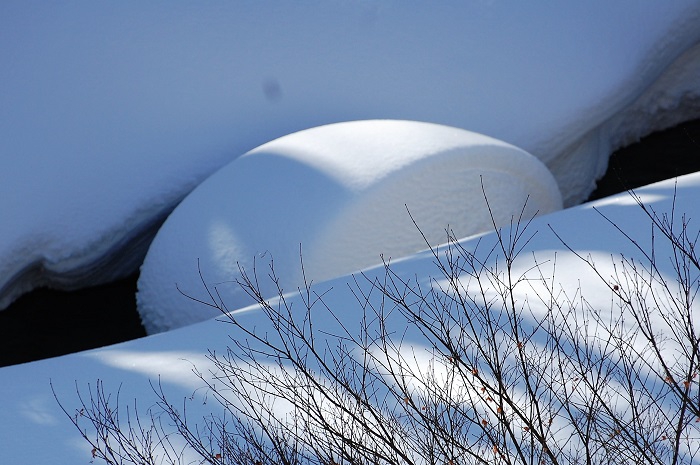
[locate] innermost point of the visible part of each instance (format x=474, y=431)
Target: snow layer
x=110, y=113
x=34, y=430
x=341, y=192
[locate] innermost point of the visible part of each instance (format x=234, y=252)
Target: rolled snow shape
x=342, y=194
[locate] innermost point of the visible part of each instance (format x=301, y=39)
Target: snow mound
x=31, y=420
x=110, y=113
x=341, y=192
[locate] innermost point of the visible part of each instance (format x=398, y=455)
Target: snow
x=341, y=193
x=111, y=113
x=33, y=428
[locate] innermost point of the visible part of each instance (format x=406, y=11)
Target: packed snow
x=111, y=113
x=342, y=194
x=32, y=428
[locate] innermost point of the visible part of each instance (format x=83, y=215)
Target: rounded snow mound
x=339, y=196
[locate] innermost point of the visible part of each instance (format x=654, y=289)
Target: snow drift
x=110, y=113
x=33, y=428
x=341, y=192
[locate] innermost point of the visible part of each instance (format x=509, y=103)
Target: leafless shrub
x=510, y=368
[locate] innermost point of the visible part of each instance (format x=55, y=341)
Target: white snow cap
x=341, y=192
x=112, y=112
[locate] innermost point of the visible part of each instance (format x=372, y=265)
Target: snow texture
x=110, y=113
x=342, y=192
x=33, y=429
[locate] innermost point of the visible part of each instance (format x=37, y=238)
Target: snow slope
x=110, y=113
x=340, y=192
x=33, y=430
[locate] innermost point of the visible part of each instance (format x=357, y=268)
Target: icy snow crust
x=341, y=193
x=110, y=113
x=32, y=428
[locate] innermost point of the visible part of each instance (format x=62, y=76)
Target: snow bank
x=32, y=428
x=341, y=192
x=110, y=113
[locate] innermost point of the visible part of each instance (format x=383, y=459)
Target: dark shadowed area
x=661, y=155
x=47, y=323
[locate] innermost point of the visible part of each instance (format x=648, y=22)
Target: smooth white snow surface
x=110, y=113
x=341, y=193
x=34, y=430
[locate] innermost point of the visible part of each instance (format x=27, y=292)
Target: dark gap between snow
x=46, y=323
x=658, y=156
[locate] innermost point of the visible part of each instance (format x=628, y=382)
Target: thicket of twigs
x=496, y=378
